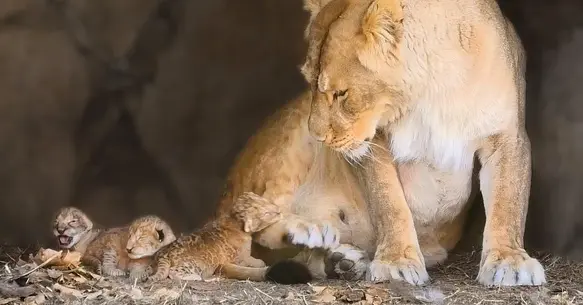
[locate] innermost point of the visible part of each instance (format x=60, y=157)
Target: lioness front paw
x=313, y=235
x=346, y=262
x=512, y=267
x=404, y=269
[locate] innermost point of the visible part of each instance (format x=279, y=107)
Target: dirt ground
x=452, y=283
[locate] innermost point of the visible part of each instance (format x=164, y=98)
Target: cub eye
x=73, y=222
x=340, y=94
x=160, y=235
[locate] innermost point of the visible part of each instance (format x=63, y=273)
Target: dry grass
x=452, y=283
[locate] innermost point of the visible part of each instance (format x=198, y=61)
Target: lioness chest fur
x=459, y=97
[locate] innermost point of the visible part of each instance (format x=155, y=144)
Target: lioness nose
x=319, y=133
x=319, y=137
x=129, y=249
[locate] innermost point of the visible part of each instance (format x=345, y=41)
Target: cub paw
x=138, y=275
x=512, y=267
x=346, y=262
x=113, y=272
x=313, y=235
x=156, y=277
x=404, y=269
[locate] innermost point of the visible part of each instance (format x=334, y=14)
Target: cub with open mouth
x=74, y=230
x=105, y=249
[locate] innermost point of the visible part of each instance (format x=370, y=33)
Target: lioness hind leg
x=347, y=262
x=433, y=252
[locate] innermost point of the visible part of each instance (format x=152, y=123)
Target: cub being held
x=221, y=246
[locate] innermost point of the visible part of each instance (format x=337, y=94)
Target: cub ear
x=382, y=26
x=249, y=226
x=160, y=235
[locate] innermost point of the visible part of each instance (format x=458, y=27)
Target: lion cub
x=110, y=251
x=105, y=249
x=74, y=230
x=221, y=246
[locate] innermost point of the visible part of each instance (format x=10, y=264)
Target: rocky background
x=139, y=106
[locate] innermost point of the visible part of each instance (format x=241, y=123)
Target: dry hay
x=452, y=283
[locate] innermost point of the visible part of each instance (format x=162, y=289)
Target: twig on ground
x=46, y=262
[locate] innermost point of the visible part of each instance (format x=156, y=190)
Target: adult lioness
x=412, y=91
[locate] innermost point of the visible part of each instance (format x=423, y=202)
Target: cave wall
x=139, y=106
x=552, y=32
x=131, y=107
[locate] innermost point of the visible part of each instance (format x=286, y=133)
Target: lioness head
x=353, y=68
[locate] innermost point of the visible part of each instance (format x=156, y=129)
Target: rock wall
x=139, y=106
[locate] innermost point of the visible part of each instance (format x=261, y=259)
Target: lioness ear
x=316, y=32
x=313, y=7
x=382, y=26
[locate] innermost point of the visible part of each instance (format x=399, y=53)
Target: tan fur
x=222, y=246
x=73, y=229
x=147, y=235
x=312, y=186
x=408, y=92
x=108, y=252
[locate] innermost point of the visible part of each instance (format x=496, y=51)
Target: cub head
x=255, y=212
x=353, y=67
x=70, y=226
x=147, y=235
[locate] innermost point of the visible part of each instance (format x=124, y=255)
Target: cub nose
x=60, y=230
x=129, y=249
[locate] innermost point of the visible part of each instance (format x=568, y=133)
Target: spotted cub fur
x=223, y=244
